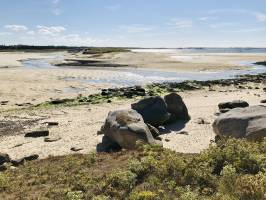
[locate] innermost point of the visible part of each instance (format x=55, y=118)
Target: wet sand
x=178, y=62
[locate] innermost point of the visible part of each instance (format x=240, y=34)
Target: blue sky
x=139, y=23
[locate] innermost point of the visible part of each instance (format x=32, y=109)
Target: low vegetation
x=231, y=169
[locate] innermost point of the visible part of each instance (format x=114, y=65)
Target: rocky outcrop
x=153, y=110
x=125, y=128
x=247, y=123
x=176, y=107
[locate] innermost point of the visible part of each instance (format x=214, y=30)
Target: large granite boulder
x=176, y=107
x=247, y=123
x=125, y=128
x=153, y=110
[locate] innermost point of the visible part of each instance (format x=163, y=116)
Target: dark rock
x=183, y=133
x=3, y=168
x=18, y=162
x=153, y=110
x=31, y=157
x=35, y=134
x=4, y=102
x=125, y=128
x=263, y=101
x=202, y=121
x=76, y=149
x=154, y=131
x=247, y=123
x=224, y=110
x=233, y=104
x=176, y=107
x=261, y=63
x=167, y=140
x=59, y=101
x=4, y=158
x=52, y=123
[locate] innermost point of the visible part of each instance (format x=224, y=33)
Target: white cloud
x=50, y=30
x=113, y=7
x=136, y=28
x=180, y=23
x=16, y=28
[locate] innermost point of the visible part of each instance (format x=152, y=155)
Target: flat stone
x=76, y=149
x=52, y=139
x=35, y=134
x=233, y=104
x=31, y=157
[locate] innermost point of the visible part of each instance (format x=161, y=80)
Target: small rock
x=17, y=162
x=183, y=133
x=202, y=121
x=76, y=149
x=59, y=101
x=31, y=157
x=48, y=139
x=52, y=123
x=4, y=102
x=263, y=101
x=35, y=134
x=233, y=104
x=4, y=158
x=167, y=140
x=3, y=168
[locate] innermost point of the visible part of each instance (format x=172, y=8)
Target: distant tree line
x=33, y=47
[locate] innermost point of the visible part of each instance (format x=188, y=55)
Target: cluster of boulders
x=241, y=121
x=123, y=128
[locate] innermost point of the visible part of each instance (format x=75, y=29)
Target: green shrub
x=230, y=170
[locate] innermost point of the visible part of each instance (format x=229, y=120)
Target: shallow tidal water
x=132, y=76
